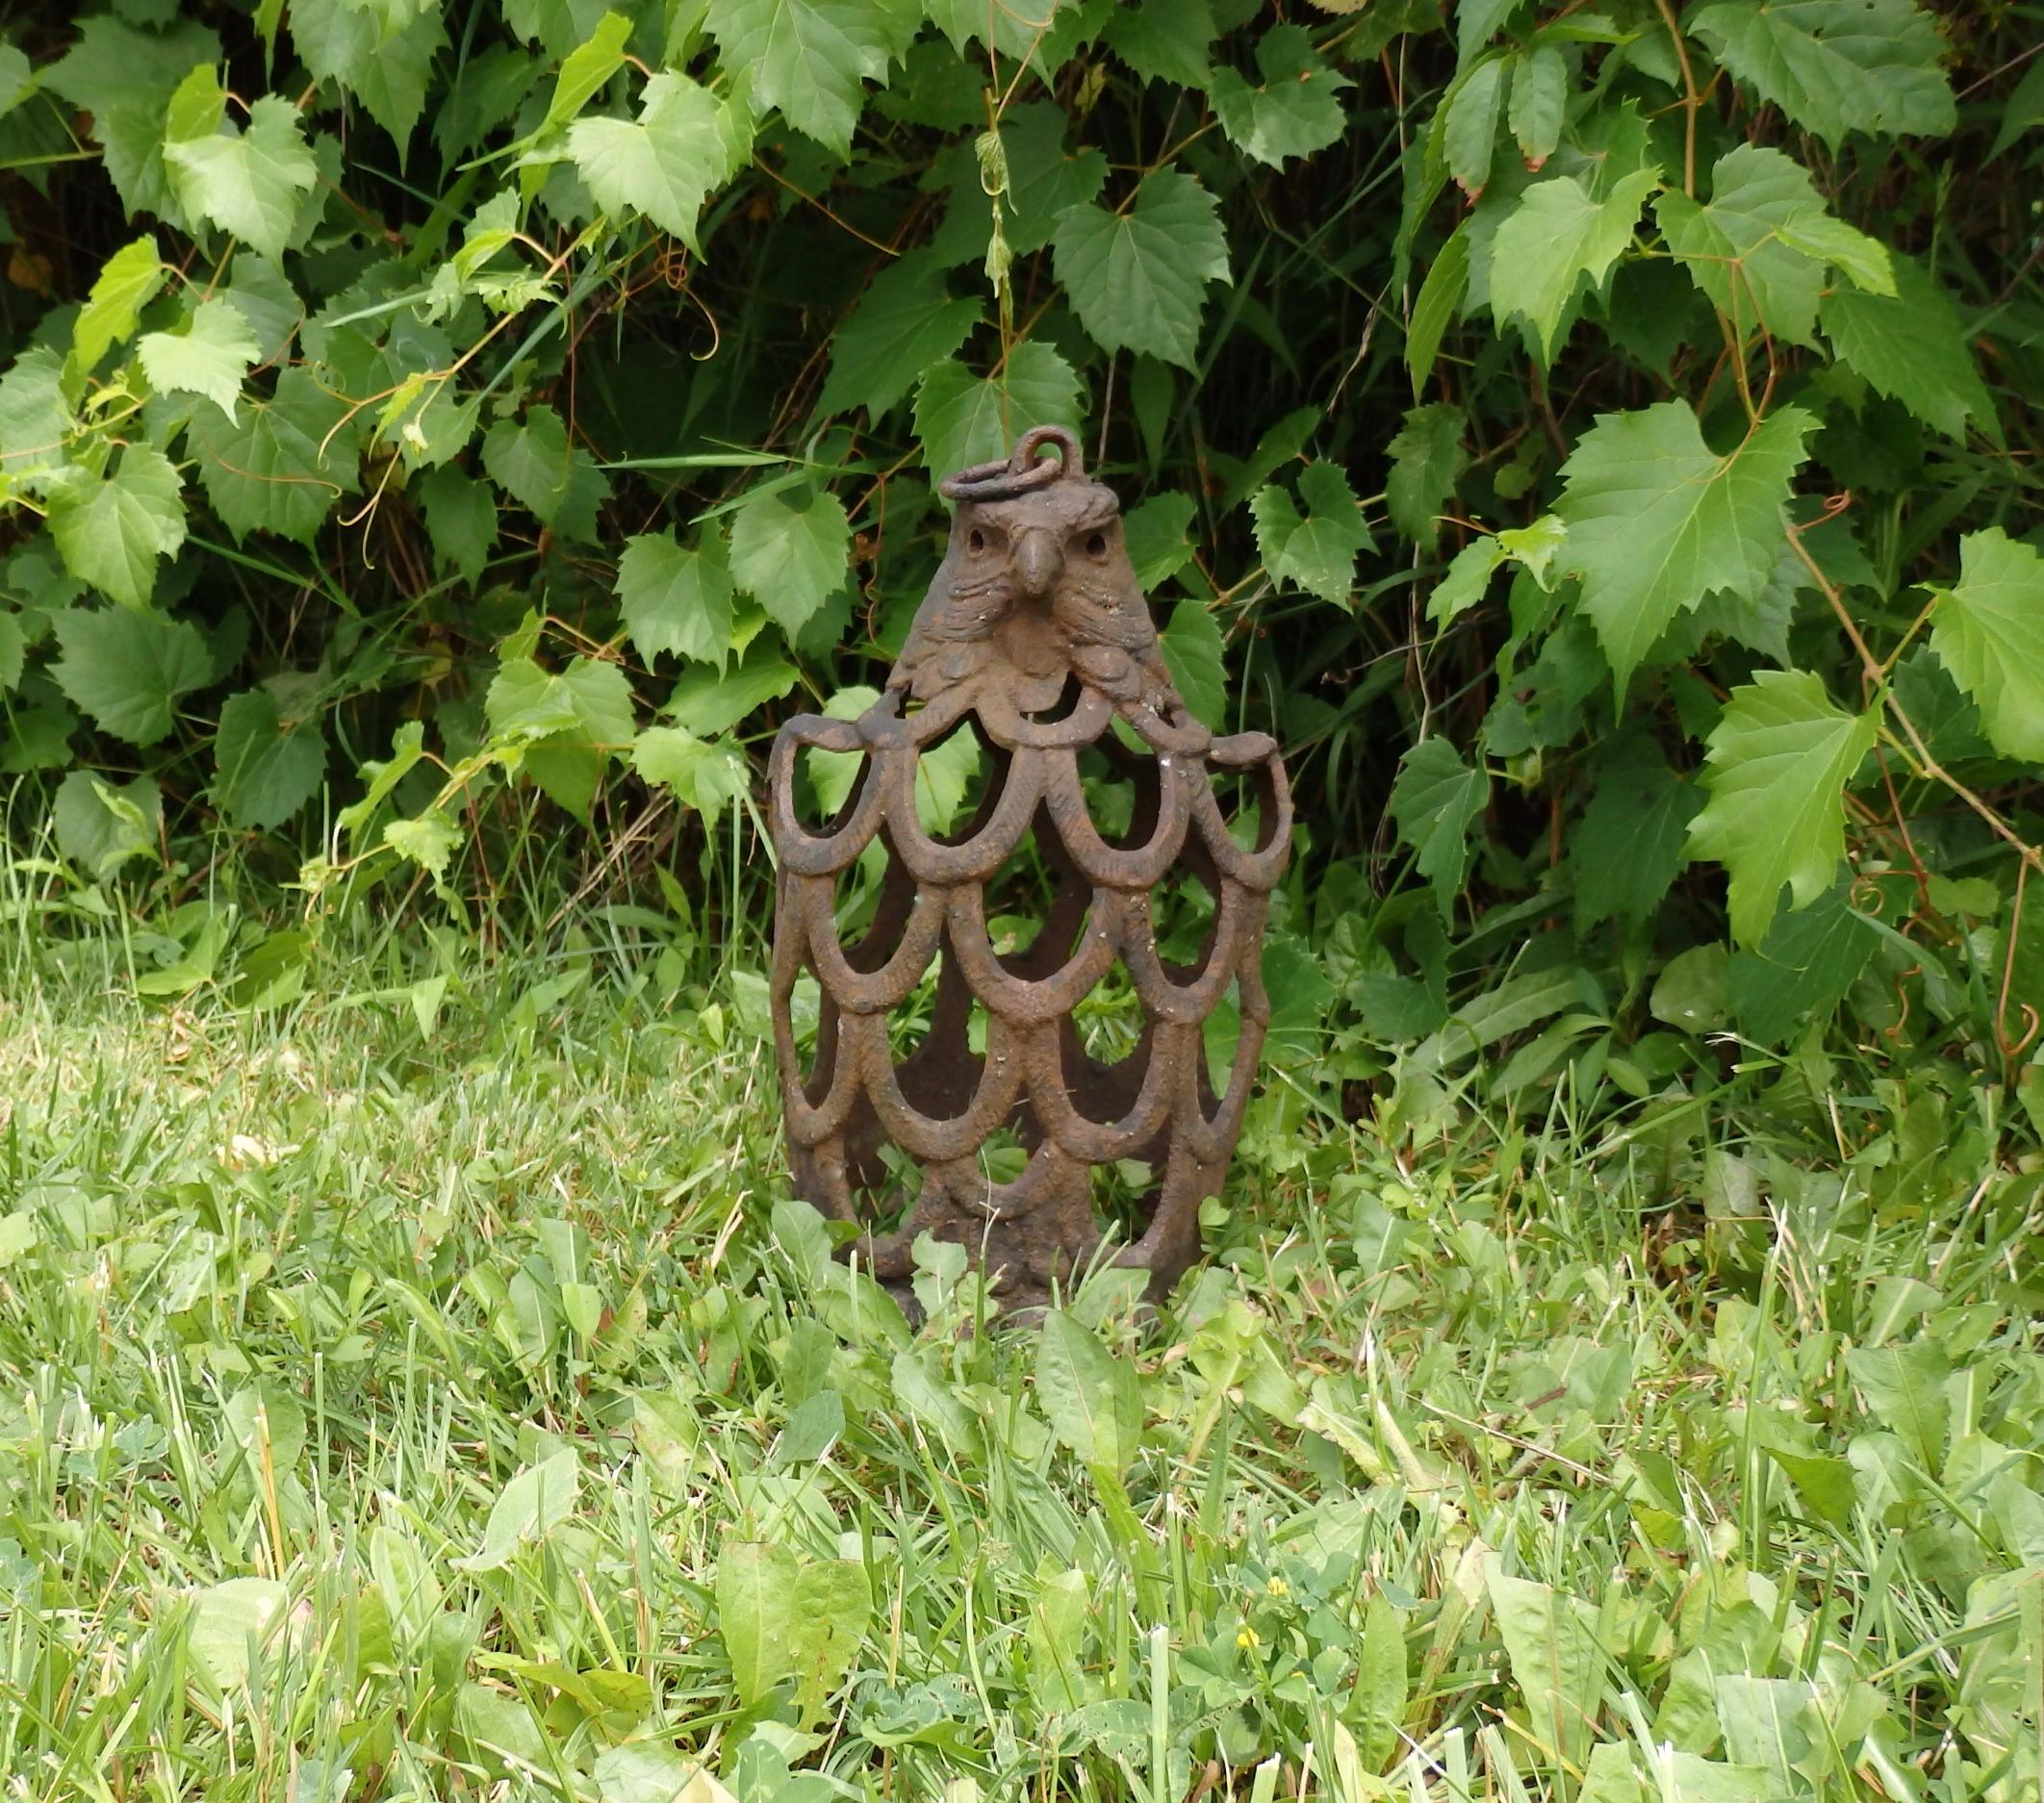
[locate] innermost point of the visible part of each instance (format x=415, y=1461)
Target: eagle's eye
x=976, y=541
x=1096, y=545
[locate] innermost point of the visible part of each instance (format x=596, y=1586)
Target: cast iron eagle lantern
x=1001, y=1130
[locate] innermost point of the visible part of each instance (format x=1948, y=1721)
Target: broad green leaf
x=1137, y=278
x=267, y=766
x=586, y=69
x=789, y=551
x=1476, y=23
x=1317, y=552
x=647, y=1771
x=1912, y=347
x=1296, y=108
x=1163, y=41
x=1427, y=459
x=209, y=357
x=1470, y=130
x=1837, y=65
x=527, y=1509
x=1779, y=761
x=1556, y=1659
x=1045, y=183
x=1434, y=801
x=905, y=322
x=1381, y=1692
x=430, y=841
x=1631, y=842
x=1087, y=1394
x=755, y=1614
x=1466, y=581
x=703, y=773
x=123, y=287
x=125, y=670
x=1436, y=306
x=383, y=59
x=1744, y=248
x=1761, y=1719
x=35, y=419
x=1805, y=966
x=123, y=77
x=1657, y=520
x=1988, y=632
x=832, y=1603
x=101, y=825
x=663, y=164
x=1540, y=89
x=1862, y=261
x=962, y=420
x=573, y=724
x=247, y=183
x=13, y=652
x=1192, y=646
x=809, y=58
x=111, y=529
x=530, y=459
x=1554, y=239
x=1155, y=534
x=380, y=777
x=1904, y=1389
x=228, y=1623
x=707, y=703
x=676, y=601
x=281, y=466
x=460, y=519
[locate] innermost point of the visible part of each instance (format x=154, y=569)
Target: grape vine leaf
x=378, y=55
x=460, y=519
x=123, y=77
x=209, y=357
x=1746, y=247
x=266, y=767
x=1192, y=646
x=1658, y=519
x=126, y=669
x=1806, y=964
x=1136, y=279
x=101, y=825
x=1045, y=182
x=1469, y=125
x=35, y=419
x=1293, y=112
x=808, y=58
x=962, y=420
x=663, y=164
x=703, y=773
x=678, y=600
x=905, y=322
x=1540, y=92
x=1426, y=458
x=284, y=464
x=247, y=183
x=1556, y=237
x=111, y=529
x=1988, y=632
x=586, y=69
x=1777, y=767
x=530, y=459
x=789, y=548
x=1631, y=842
x=1837, y=65
x=1911, y=346
x=1433, y=798
x=1317, y=552
x=123, y=287
x=1163, y=41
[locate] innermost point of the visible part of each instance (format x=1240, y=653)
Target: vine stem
x=1915, y=752
x=1692, y=100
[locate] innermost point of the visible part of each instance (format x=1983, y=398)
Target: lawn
x=421, y=1386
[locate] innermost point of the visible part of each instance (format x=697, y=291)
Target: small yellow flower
x=1279, y=1587
x=1249, y=1637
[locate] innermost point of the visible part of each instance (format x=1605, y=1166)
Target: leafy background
x=1595, y=439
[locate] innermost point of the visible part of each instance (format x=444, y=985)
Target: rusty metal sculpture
x=1034, y=634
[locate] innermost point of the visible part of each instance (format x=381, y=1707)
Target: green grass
x=429, y=1393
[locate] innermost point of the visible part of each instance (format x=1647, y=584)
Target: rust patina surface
x=1035, y=636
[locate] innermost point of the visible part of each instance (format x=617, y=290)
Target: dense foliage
x=1597, y=440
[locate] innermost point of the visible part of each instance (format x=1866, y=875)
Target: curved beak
x=1038, y=560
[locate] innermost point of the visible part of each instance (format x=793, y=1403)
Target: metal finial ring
x=1023, y=472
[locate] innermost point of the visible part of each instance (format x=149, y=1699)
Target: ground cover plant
x=398, y=1405
x=438, y=445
